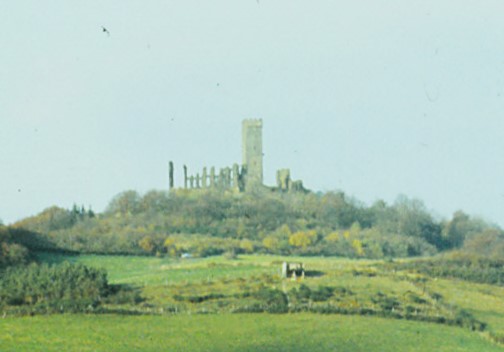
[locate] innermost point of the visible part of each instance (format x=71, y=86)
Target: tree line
x=203, y=222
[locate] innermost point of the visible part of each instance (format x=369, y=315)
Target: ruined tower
x=248, y=177
x=252, y=153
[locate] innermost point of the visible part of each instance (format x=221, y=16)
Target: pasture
x=179, y=294
x=238, y=332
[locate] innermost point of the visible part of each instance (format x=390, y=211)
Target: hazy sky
x=374, y=98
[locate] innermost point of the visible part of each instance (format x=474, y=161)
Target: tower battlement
x=252, y=122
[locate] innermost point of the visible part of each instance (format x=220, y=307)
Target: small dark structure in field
x=293, y=270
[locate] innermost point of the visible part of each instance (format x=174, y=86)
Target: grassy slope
x=298, y=332
x=486, y=302
x=163, y=277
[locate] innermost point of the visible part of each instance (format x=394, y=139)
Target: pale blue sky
x=375, y=98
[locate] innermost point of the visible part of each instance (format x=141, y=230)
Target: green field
x=260, y=332
x=177, y=325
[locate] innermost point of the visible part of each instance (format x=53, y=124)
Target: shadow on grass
x=314, y=273
x=124, y=294
x=55, y=257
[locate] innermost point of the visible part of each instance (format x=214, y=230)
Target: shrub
x=416, y=299
x=274, y=301
x=464, y=318
x=198, y=299
x=322, y=294
x=57, y=288
x=303, y=293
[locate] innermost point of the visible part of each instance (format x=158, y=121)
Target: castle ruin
x=238, y=178
x=252, y=154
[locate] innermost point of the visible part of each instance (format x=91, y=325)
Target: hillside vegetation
x=226, y=301
x=203, y=223
x=11, y=252
x=201, y=253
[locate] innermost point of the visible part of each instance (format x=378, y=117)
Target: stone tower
x=252, y=151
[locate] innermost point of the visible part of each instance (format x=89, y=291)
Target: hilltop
x=206, y=222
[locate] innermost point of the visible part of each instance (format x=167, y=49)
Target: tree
x=247, y=246
x=337, y=211
x=414, y=220
x=489, y=243
x=156, y=201
x=357, y=245
x=355, y=229
x=303, y=239
x=170, y=245
x=333, y=237
x=125, y=203
x=459, y=228
x=270, y=243
x=149, y=245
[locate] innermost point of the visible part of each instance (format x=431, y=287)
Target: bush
x=230, y=255
x=465, y=319
x=459, y=265
x=274, y=301
x=58, y=288
x=123, y=294
x=387, y=304
x=198, y=299
x=322, y=294
x=303, y=293
x=417, y=299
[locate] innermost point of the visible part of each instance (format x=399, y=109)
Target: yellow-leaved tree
x=270, y=243
x=147, y=244
x=303, y=239
x=247, y=246
x=333, y=237
x=170, y=244
x=357, y=246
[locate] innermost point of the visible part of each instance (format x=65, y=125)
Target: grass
x=149, y=271
x=367, y=282
x=241, y=332
x=486, y=302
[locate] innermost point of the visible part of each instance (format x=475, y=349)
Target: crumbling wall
x=283, y=180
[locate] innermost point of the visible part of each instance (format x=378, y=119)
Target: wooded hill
x=203, y=223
